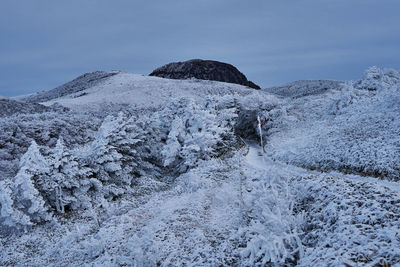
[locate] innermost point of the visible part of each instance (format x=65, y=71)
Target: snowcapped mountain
x=82, y=82
x=143, y=91
x=123, y=169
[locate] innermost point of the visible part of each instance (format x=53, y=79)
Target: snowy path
x=238, y=211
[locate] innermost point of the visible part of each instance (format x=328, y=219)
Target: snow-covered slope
x=248, y=210
x=304, y=88
x=82, y=82
x=353, y=128
x=145, y=92
x=168, y=182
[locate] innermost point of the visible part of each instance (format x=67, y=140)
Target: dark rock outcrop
x=203, y=70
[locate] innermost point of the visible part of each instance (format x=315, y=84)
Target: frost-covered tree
x=116, y=155
x=193, y=132
x=26, y=196
x=9, y=215
x=65, y=179
x=104, y=157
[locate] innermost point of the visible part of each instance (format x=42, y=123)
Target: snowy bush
x=65, y=184
x=120, y=152
x=10, y=216
x=272, y=234
x=351, y=130
x=194, y=131
x=22, y=204
x=255, y=105
x=72, y=179
x=18, y=130
x=378, y=79
x=348, y=221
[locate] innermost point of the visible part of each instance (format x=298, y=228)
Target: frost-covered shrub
x=272, y=234
x=10, y=216
x=351, y=130
x=119, y=152
x=378, y=79
x=18, y=130
x=347, y=221
x=22, y=204
x=82, y=177
x=347, y=97
x=304, y=88
x=66, y=180
x=32, y=167
x=255, y=105
x=194, y=131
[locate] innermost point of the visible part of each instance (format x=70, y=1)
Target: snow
x=304, y=88
x=251, y=209
x=349, y=129
x=324, y=193
x=145, y=91
x=82, y=82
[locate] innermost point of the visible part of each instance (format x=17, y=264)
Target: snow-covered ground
x=145, y=91
x=350, y=129
x=304, y=88
x=170, y=186
x=244, y=211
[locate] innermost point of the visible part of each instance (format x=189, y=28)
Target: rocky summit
x=203, y=70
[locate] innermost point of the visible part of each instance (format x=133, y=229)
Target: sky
x=45, y=43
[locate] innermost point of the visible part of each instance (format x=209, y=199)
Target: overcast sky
x=45, y=43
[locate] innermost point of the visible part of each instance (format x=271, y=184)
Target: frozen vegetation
x=130, y=170
x=304, y=88
x=353, y=129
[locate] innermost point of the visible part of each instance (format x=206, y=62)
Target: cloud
x=45, y=43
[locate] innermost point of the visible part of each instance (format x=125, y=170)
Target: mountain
x=304, y=88
x=144, y=91
x=146, y=171
x=203, y=70
x=81, y=83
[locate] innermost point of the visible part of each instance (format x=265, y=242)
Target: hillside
x=304, y=88
x=145, y=92
x=81, y=83
x=146, y=171
x=9, y=107
x=353, y=128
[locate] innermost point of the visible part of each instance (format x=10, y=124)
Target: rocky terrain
x=203, y=70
